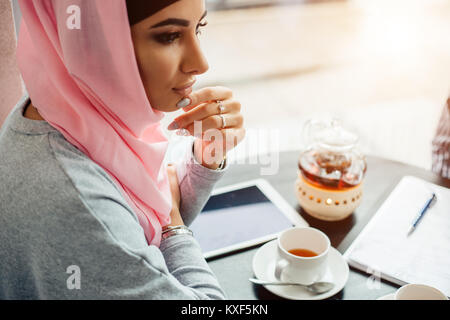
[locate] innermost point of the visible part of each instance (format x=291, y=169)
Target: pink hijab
x=78, y=63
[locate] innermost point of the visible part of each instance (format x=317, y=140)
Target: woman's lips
x=183, y=92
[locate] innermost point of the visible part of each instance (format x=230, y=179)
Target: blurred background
x=381, y=66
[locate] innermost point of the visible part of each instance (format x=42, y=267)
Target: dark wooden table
x=234, y=269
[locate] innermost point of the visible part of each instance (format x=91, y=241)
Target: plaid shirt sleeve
x=441, y=144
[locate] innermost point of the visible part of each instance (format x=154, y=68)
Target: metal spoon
x=316, y=287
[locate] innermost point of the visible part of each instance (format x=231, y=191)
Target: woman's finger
x=208, y=94
x=227, y=120
x=204, y=111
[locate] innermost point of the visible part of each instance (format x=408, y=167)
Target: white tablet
x=242, y=215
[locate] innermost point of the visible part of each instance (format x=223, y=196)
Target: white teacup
x=300, y=269
x=419, y=292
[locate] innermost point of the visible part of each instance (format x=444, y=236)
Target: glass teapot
x=331, y=159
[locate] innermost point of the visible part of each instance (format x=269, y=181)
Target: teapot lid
x=335, y=137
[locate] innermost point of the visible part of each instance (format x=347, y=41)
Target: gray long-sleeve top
x=67, y=233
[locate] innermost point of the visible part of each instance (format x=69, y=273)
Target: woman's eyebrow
x=175, y=21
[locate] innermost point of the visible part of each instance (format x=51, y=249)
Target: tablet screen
x=233, y=217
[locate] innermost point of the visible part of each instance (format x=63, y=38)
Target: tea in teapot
x=330, y=171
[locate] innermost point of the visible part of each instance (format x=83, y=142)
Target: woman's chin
x=170, y=103
x=169, y=109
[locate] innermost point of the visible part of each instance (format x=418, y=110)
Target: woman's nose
x=194, y=61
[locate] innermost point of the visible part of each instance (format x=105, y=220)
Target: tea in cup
x=302, y=255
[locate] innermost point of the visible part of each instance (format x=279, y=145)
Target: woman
x=88, y=210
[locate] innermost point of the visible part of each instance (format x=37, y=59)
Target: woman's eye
x=169, y=38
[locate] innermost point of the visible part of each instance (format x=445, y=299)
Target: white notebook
x=384, y=249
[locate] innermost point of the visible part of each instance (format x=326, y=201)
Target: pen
x=429, y=204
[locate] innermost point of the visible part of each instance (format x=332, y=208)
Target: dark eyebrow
x=175, y=21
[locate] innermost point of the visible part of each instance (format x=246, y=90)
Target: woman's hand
x=175, y=215
x=203, y=120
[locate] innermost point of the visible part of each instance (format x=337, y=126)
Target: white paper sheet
x=383, y=247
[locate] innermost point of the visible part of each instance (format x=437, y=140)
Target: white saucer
x=264, y=267
x=390, y=296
